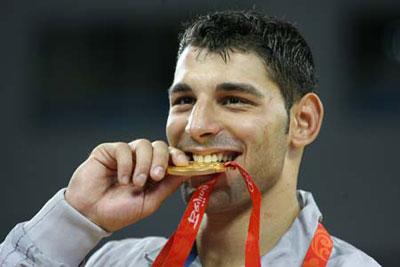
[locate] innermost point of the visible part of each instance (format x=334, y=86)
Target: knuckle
x=144, y=152
x=98, y=148
x=159, y=143
x=120, y=145
x=142, y=142
x=161, y=150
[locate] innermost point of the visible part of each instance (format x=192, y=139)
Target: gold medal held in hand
x=196, y=169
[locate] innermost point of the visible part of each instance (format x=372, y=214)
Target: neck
x=222, y=237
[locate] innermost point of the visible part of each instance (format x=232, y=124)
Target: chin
x=223, y=201
x=230, y=193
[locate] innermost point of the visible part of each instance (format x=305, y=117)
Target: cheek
x=175, y=128
x=253, y=131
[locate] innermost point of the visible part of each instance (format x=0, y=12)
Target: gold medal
x=196, y=169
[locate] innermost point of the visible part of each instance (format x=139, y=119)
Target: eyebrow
x=179, y=88
x=240, y=88
x=222, y=87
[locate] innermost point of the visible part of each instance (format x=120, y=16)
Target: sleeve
x=58, y=235
x=128, y=252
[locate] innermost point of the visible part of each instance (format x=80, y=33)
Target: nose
x=203, y=123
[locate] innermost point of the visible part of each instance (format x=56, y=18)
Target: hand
x=120, y=184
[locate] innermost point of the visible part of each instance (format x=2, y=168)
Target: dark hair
x=286, y=54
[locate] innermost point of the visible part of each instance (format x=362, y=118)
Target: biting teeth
x=219, y=157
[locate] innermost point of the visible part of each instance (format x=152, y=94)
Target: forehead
x=200, y=66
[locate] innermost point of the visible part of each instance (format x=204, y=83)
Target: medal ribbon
x=177, y=249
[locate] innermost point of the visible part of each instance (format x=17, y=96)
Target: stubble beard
x=233, y=195
x=265, y=168
x=225, y=196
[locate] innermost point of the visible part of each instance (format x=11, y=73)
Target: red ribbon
x=179, y=245
x=177, y=249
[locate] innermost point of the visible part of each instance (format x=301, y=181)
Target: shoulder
x=131, y=251
x=346, y=255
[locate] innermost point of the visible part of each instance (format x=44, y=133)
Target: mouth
x=212, y=157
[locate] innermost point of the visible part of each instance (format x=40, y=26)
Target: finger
x=178, y=157
x=160, y=160
x=143, y=152
x=123, y=155
x=115, y=156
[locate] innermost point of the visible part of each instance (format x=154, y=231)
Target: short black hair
x=277, y=42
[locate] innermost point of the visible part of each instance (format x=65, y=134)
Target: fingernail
x=140, y=179
x=158, y=171
x=125, y=179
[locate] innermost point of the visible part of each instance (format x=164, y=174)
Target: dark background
x=74, y=74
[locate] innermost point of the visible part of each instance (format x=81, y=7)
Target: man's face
x=230, y=110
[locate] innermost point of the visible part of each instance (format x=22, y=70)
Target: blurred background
x=74, y=74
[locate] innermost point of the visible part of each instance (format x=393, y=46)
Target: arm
x=57, y=235
x=104, y=195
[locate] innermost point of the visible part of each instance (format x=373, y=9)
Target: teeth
x=200, y=158
x=220, y=157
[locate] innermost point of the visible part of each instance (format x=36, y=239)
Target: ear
x=305, y=120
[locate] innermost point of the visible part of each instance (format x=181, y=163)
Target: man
x=243, y=92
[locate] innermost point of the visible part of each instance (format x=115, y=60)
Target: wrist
x=81, y=206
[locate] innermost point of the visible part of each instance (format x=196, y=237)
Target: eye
x=234, y=100
x=184, y=100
